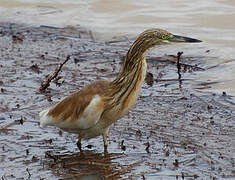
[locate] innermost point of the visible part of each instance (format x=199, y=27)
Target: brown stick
x=179, y=68
x=45, y=84
x=178, y=63
x=16, y=122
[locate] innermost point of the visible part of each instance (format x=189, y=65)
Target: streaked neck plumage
x=133, y=71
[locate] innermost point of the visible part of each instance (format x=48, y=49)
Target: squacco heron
x=90, y=111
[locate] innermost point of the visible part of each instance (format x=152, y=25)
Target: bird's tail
x=45, y=120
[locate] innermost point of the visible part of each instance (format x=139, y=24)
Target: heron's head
x=154, y=37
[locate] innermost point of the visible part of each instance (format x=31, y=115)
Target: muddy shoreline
x=174, y=132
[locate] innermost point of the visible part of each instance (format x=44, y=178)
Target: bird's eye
x=166, y=36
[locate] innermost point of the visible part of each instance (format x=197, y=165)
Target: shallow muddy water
x=172, y=133
x=212, y=21
x=177, y=130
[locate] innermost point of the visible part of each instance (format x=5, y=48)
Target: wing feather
x=80, y=110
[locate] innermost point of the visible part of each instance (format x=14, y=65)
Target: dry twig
x=179, y=68
x=45, y=84
x=16, y=122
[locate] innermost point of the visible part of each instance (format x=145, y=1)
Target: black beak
x=177, y=38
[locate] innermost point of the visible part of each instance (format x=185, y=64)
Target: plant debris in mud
x=16, y=122
x=171, y=133
x=35, y=68
x=18, y=38
x=46, y=83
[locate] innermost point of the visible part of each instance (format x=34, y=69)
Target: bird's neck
x=130, y=79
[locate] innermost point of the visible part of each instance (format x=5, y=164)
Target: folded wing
x=80, y=110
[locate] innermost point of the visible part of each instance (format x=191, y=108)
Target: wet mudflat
x=173, y=132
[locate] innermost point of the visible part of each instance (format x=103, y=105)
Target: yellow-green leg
x=105, y=139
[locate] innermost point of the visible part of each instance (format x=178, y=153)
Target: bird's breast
x=133, y=95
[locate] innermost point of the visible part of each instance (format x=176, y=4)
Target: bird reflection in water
x=88, y=165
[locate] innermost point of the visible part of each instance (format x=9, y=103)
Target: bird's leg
x=79, y=144
x=105, y=139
